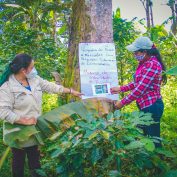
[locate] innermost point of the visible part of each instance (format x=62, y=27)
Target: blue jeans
x=156, y=109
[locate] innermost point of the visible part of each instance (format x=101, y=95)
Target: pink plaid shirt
x=146, y=86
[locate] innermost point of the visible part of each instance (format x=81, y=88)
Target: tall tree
x=91, y=21
x=173, y=6
x=151, y=13
x=147, y=4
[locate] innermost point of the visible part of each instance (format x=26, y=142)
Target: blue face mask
x=32, y=74
x=139, y=57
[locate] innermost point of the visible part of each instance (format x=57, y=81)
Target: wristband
x=71, y=90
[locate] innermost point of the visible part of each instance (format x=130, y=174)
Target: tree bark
x=151, y=13
x=146, y=5
x=172, y=5
x=54, y=22
x=148, y=14
x=176, y=9
x=91, y=21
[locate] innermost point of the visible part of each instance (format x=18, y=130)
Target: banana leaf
x=172, y=71
x=49, y=123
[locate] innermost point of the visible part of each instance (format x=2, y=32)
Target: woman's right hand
x=27, y=121
x=115, y=90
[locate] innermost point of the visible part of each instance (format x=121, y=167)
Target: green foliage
x=124, y=34
x=86, y=144
x=168, y=125
x=15, y=134
x=18, y=38
x=103, y=146
x=83, y=141
x=32, y=32
x=49, y=102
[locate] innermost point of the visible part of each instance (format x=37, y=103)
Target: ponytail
x=5, y=75
x=155, y=52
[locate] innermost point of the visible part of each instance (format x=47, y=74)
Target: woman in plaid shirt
x=145, y=88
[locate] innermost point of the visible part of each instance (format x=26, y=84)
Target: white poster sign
x=98, y=69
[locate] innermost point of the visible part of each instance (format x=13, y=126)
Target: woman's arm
x=128, y=87
x=50, y=87
x=125, y=88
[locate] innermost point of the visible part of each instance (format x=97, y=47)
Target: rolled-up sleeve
x=50, y=87
x=6, y=105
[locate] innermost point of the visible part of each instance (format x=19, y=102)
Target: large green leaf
x=62, y=117
x=148, y=144
x=15, y=134
x=134, y=145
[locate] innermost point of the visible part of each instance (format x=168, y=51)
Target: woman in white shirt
x=21, y=102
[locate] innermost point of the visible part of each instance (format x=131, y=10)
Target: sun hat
x=140, y=43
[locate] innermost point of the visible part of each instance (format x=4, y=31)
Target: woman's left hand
x=118, y=105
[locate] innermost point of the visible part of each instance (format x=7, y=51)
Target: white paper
x=98, y=67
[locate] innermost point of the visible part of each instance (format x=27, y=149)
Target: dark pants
x=18, y=160
x=156, y=110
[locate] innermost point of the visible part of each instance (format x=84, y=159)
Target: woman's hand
x=27, y=121
x=72, y=91
x=76, y=93
x=115, y=90
x=118, y=105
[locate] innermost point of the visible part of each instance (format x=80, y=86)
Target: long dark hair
x=20, y=61
x=155, y=52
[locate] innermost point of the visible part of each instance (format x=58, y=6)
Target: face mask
x=139, y=57
x=32, y=74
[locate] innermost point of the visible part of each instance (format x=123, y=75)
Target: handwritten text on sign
x=97, y=67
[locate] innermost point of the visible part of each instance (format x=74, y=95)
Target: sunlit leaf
x=148, y=144
x=57, y=152
x=4, y=156
x=105, y=134
x=172, y=71
x=93, y=135
x=134, y=145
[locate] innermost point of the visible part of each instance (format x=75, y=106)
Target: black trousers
x=156, y=110
x=18, y=160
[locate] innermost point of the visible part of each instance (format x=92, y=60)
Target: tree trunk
x=54, y=22
x=174, y=22
x=176, y=9
x=148, y=14
x=91, y=21
x=151, y=14
x=146, y=5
